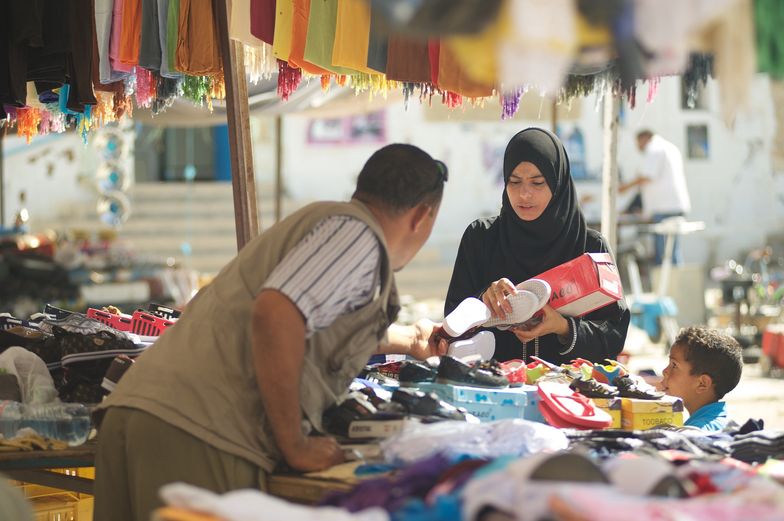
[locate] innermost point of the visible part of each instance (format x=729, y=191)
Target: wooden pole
x=610, y=169
x=278, y=167
x=243, y=180
x=554, y=116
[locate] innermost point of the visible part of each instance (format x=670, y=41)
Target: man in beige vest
x=240, y=383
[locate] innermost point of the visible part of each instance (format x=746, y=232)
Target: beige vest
x=199, y=375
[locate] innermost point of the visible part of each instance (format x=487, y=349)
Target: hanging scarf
x=559, y=234
x=408, y=60
x=299, y=37
x=352, y=34
x=320, y=39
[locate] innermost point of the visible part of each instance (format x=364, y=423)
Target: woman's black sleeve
x=465, y=274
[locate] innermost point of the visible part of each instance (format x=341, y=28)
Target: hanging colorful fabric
x=408, y=60
x=198, y=48
x=130, y=32
x=289, y=79
x=115, y=47
x=452, y=78
x=320, y=39
x=262, y=20
x=146, y=87
x=352, y=32
x=377, y=45
x=172, y=33
x=27, y=120
x=299, y=36
x=284, y=22
x=477, y=54
x=433, y=51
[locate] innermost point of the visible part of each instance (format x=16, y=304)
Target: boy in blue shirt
x=704, y=366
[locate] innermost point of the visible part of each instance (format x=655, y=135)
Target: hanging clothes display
x=85, y=62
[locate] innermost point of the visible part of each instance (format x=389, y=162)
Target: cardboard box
x=645, y=414
x=490, y=404
x=611, y=406
x=589, y=282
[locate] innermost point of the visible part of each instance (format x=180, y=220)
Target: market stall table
x=36, y=467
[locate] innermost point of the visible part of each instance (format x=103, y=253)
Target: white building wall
x=734, y=191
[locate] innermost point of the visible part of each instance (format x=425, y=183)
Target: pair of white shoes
x=532, y=295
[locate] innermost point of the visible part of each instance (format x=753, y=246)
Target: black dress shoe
x=593, y=389
x=628, y=388
x=427, y=405
x=416, y=372
x=452, y=370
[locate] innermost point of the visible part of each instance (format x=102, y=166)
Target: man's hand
x=426, y=342
x=552, y=322
x=495, y=295
x=312, y=453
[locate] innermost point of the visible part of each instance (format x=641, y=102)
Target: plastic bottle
x=68, y=422
x=10, y=418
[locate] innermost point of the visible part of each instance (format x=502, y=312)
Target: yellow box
x=611, y=406
x=639, y=414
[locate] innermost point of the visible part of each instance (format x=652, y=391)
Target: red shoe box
x=147, y=324
x=589, y=282
x=120, y=322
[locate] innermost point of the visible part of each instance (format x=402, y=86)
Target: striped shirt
x=332, y=271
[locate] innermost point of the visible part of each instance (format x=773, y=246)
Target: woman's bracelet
x=573, y=327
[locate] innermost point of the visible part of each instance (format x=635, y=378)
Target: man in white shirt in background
x=662, y=185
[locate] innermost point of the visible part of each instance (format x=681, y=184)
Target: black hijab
x=559, y=234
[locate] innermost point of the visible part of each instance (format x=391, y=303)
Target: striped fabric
x=334, y=270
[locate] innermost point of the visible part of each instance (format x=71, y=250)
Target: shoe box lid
x=524, y=396
x=667, y=404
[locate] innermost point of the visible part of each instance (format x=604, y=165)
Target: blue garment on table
x=711, y=417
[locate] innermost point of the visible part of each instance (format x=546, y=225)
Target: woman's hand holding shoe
x=495, y=297
x=552, y=322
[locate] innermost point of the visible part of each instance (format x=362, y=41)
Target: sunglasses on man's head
x=443, y=172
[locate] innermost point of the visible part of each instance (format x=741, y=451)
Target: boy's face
x=678, y=380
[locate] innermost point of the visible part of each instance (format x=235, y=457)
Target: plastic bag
x=484, y=440
x=35, y=382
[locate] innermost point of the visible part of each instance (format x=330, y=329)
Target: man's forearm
x=278, y=354
x=397, y=341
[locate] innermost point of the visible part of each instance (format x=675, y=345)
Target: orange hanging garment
x=299, y=38
x=130, y=32
x=198, y=47
x=452, y=77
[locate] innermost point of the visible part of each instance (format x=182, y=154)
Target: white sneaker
x=470, y=313
x=482, y=345
x=532, y=295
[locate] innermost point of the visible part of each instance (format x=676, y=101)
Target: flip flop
x=481, y=344
x=554, y=420
x=469, y=314
x=573, y=407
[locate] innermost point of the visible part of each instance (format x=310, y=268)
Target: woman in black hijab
x=540, y=227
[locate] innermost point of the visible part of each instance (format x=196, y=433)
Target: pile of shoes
x=567, y=391
x=371, y=412
x=85, y=356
